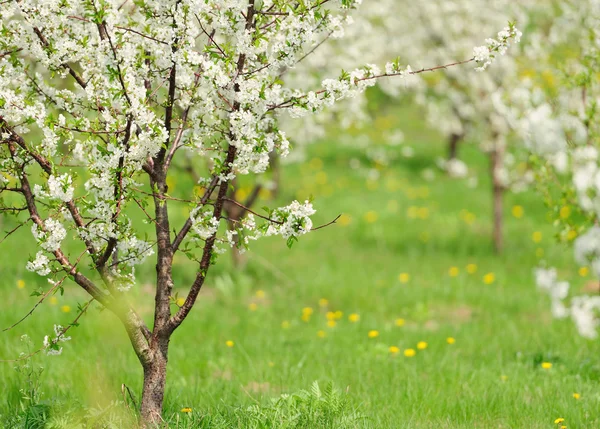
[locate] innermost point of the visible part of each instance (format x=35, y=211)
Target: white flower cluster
x=51, y=345
x=291, y=221
x=486, y=55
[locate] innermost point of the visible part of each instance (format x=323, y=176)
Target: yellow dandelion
x=400, y=322
x=21, y=284
x=409, y=352
x=371, y=216
x=576, y=395
x=323, y=302
x=252, y=306
x=423, y=213
x=392, y=206
x=260, y=293
x=321, y=178
x=345, y=220
x=229, y=343
x=307, y=310
x=412, y=212
x=571, y=235
x=331, y=323
x=373, y=334
x=285, y=324
x=565, y=212
x=453, y=271
x=559, y=420
x=469, y=218
x=517, y=211
x=471, y=268
x=546, y=365
x=321, y=334
x=180, y=301
x=316, y=163
x=536, y=236
x=330, y=315
x=563, y=427
x=539, y=252
x=450, y=340
x=394, y=350
x=421, y=345
x=305, y=317
x=584, y=271
x=354, y=317
x=53, y=300
x=404, y=277
x=489, y=278
x=504, y=377
x=186, y=410
x=338, y=315
x=65, y=308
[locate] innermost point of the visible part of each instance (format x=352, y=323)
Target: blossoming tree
x=562, y=131
x=100, y=99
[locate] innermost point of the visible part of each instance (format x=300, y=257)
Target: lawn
x=409, y=262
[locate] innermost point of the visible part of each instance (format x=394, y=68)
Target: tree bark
x=453, y=142
x=496, y=166
x=155, y=376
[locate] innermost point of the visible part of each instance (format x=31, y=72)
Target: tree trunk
x=153, y=392
x=453, y=142
x=496, y=166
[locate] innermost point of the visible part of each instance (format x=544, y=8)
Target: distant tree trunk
x=453, y=143
x=496, y=167
x=235, y=212
x=276, y=177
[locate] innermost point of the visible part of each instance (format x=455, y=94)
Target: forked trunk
x=496, y=166
x=153, y=392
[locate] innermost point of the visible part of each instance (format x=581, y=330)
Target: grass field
x=390, y=257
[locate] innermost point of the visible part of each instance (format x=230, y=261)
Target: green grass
x=490, y=378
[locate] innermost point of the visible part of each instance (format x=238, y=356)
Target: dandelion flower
x=306, y=317
x=20, y=284
x=517, y=211
x=421, y=345
x=565, y=212
x=576, y=395
x=404, y=277
x=323, y=302
x=260, y=294
x=471, y=268
x=489, y=278
x=186, y=410
x=409, y=352
x=330, y=315
x=373, y=334
x=394, y=350
x=252, y=306
x=546, y=365
x=536, y=237
x=450, y=340
x=400, y=322
x=345, y=220
x=53, y=300
x=584, y=271
x=559, y=421
x=180, y=301
x=453, y=271
x=504, y=377
x=338, y=315
x=307, y=310
x=229, y=343
x=331, y=323
x=571, y=235
x=354, y=317
x=371, y=216
x=65, y=308
x=321, y=334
